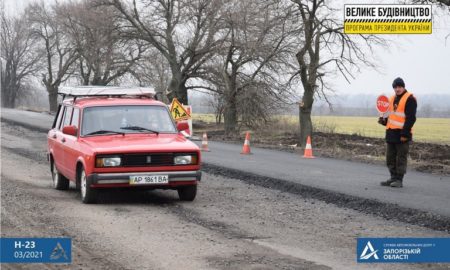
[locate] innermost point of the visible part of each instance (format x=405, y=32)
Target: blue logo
x=36, y=250
x=402, y=250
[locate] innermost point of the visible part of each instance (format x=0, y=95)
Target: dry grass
x=433, y=130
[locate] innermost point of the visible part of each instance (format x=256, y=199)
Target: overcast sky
x=423, y=61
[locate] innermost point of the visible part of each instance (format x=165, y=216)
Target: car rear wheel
x=60, y=182
x=187, y=193
x=88, y=194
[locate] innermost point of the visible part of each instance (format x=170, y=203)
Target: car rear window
x=118, y=118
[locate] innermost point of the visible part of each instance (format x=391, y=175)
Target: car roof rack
x=109, y=91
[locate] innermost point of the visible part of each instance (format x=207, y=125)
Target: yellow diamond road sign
x=178, y=111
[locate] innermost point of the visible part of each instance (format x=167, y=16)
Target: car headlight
x=185, y=160
x=108, y=161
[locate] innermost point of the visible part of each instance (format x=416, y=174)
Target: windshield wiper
x=140, y=129
x=102, y=131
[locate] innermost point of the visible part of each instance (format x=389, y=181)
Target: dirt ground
x=232, y=224
x=423, y=157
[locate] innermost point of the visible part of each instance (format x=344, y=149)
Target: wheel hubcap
x=55, y=176
x=83, y=184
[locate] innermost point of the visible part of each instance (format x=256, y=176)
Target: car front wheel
x=88, y=194
x=187, y=193
x=60, y=182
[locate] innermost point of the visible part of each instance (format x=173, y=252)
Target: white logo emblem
x=369, y=248
x=58, y=252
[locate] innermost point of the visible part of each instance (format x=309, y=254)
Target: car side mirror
x=70, y=130
x=182, y=126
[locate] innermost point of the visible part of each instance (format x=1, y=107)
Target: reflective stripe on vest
x=397, y=118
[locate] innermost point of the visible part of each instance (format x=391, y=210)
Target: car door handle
x=63, y=140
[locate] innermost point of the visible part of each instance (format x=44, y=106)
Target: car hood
x=132, y=143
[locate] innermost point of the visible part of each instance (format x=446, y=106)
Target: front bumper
x=124, y=178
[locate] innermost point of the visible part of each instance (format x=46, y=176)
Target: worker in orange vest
x=399, y=121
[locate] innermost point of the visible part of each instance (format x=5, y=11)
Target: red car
x=113, y=137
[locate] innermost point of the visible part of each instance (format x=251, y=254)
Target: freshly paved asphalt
x=421, y=191
x=425, y=192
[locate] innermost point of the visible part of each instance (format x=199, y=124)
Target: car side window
x=67, y=117
x=75, y=117
x=59, y=117
x=61, y=120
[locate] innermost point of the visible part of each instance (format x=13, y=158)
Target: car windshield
x=126, y=119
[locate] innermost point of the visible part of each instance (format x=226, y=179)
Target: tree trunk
x=182, y=94
x=161, y=96
x=230, y=116
x=305, y=115
x=4, y=96
x=9, y=94
x=52, y=97
x=177, y=89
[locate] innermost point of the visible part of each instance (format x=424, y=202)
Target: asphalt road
x=425, y=192
x=231, y=224
x=421, y=191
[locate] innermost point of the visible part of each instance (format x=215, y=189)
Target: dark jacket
x=393, y=135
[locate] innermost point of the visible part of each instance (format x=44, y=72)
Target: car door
x=71, y=146
x=54, y=138
x=62, y=140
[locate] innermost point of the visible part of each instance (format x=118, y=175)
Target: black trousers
x=396, y=159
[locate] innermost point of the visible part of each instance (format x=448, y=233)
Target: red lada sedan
x=113, y=137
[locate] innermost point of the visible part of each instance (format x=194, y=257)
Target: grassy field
x=436, y=130
x=425, y=129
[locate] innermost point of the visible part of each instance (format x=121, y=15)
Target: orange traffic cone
x=205, y=143
x=308, y=149
x=246, y=147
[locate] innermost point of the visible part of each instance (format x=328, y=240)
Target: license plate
x=148, y=179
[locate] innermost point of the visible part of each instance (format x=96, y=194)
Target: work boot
x=388, y=182
x=397, y=184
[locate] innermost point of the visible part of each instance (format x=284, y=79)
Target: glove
x=404, y=139
x=382, y=121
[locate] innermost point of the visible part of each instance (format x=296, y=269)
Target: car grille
x=133, y=160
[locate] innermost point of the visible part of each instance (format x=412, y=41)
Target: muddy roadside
x=423, y=157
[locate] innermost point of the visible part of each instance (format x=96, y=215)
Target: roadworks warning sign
x=178, y=112
x=387, y=19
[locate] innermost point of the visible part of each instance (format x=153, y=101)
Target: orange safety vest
x=397, y=118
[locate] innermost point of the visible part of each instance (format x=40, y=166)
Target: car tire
x=187, y=193
x=88, y=194
x=60, y=182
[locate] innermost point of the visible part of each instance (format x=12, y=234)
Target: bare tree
x=153, y=69
x=215, y=101
x=183, y=31
x=105, y=56
x=60, y=54
x=444, y=2
x=441, y=3
x=19, y=60
x=325, y=47
x=253, y=62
